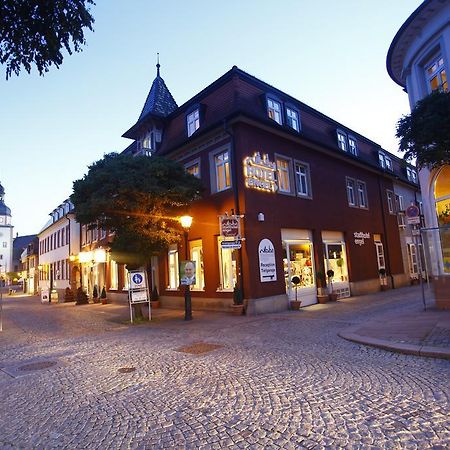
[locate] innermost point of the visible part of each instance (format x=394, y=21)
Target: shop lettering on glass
x=360, y=237
x=259, y=173
x=267, y=265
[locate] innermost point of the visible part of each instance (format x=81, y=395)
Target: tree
x=35, y=32
x=139, y=199
x=425, y=133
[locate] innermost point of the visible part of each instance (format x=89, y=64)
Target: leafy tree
x=139, y=198
x=425, y=133
x=35, y=32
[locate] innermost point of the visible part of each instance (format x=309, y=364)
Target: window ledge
x=224, y=290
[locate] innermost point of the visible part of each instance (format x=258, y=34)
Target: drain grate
x=126, y=369
x=37, y=366
x=198, y=348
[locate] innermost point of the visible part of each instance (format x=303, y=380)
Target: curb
x=408, y=349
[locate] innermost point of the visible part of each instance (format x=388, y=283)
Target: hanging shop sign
x=259, y=173
x=267, y=265
x=230, y=226
x=360, y=237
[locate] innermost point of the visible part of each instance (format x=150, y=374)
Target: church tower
x=6, y=237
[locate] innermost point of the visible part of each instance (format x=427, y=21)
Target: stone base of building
x=205, y=304
x=266, y=305
x=441, y=286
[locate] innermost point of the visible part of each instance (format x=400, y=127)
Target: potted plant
x=332, y=295
x=238, y=302
x=154, y=298
x=383, y=279
x=103, y=297
x=95, y=294
x=322, y=296
x=295, y=304
x=68, y=295
x=82, y=298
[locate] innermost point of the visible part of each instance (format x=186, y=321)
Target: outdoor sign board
x=187, y=273
x=45, y=296
x=137, y=280
x=230, y=226
x=412, y=215
x=138, y=291
x=267, y=265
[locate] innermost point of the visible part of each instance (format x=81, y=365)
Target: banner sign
x=267, y=265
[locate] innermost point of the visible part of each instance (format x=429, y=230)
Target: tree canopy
x=36, y=31
x=425, y=133
x=139, y=199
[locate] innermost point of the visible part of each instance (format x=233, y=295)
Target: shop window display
x=298, y=263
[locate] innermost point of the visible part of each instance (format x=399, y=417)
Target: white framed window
x=227, y=267
x=221, y=171
x=380, y=255
x=292, y=118
x=283, y=174
x=385, y=161
x=411, y=174
x=196, y=254
x=193, y=168
x=401, y=220
x=362, y=194
x=390, y=202
x=193, y=122
x=436, y=75
x=174, y=278
x=351, y=197
x=274, y=110
x=352, y=146
x=399, y=202
x=148, y=142
x=342, y=140
x=302, y=179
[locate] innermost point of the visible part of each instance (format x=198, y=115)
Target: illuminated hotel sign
x=259, y=173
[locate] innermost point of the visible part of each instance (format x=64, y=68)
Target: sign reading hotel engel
x=267, y=265
x=259, y=173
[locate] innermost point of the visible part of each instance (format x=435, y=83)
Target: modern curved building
x=418, y=60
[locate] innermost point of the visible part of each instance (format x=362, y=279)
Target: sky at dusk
x=330, y=54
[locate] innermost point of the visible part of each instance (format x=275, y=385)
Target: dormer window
x=274, y=110
x=341, y=140
x=193, y=122
x=411, y=174
x=352, y=146
x=292, y=119
x=385, y=161
x=148, y=142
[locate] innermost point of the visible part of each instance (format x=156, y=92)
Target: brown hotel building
x=311, y=195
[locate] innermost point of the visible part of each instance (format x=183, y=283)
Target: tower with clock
x=6, y=237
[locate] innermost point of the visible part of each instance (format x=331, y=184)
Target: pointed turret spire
x=159, y=100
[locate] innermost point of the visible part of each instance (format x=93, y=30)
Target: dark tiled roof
x=130, y=149
x=159, y=100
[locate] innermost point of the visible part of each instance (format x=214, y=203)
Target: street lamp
x=186, y=222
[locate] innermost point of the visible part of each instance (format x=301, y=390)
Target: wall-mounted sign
x=231, y=244
x=259, y=173
x=360, y=237
x=412, y=215
x=230, y=226
x=267, y=265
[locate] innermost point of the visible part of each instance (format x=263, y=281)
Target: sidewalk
x=424, y=333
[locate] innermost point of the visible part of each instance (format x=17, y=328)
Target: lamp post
x=186, y=222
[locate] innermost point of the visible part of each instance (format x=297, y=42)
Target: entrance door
x=298, y=261
x=336, y=260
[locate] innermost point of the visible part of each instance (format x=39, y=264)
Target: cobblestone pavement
x=275, y=381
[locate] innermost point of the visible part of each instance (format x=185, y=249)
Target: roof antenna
x=157, y=65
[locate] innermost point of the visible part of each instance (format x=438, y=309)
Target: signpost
x=138, y=291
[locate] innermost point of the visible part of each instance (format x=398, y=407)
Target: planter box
x=155, y=304
x=322, y=299
x=333, y=297
x=295, y=305
x=237, y=310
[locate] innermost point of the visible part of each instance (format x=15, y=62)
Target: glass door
x=336, y=260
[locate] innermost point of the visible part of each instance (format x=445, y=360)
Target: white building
x=58, y=240
x=418, y=60
x=6, y=237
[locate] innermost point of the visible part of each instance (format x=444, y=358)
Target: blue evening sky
x=329, y=54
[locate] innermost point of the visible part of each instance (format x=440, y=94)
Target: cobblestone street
x=82, y=377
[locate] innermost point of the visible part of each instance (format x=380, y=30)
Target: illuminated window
x=292, y=119
x=436, y=75
x=352, y=146
x=274, y=110
x=193, y=122
x=227, y=267
x=196, y=254
x=283, y=172
x=193, y=168
x=342, y=140
x=173, y=267
x=148, y=142
x=113, y=275
x=222, y=175
x=411, y=174
x=385, y=161
x=302, y=179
